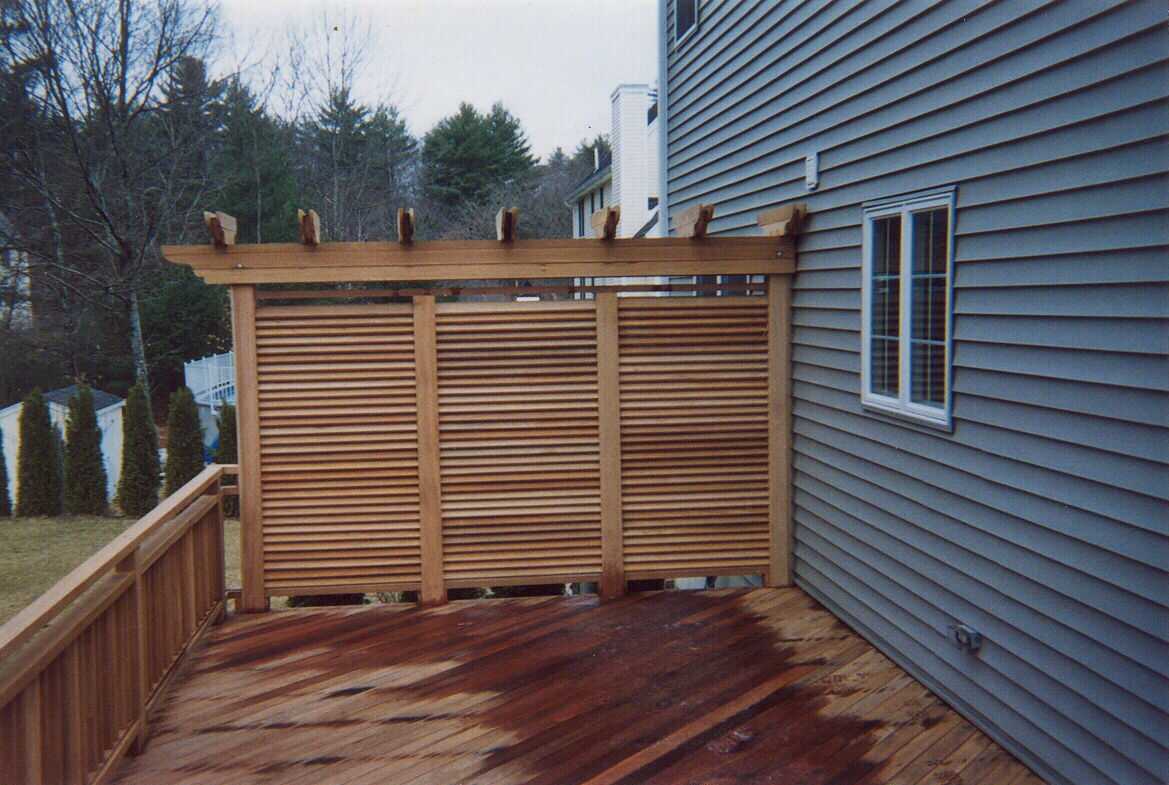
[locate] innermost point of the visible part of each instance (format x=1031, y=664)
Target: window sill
x=899, y=417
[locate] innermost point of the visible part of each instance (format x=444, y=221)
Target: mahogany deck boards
x=760, y=686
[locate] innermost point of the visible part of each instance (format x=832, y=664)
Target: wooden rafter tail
x=310, y=227
x=784, y=221
x=605, y=222
x=406, y=225
x=693, y=221
x=507, y=222
x=222, y=227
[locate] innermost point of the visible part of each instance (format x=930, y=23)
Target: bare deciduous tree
x=99, y=169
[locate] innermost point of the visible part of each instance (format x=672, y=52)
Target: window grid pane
x=686, y=14
x=927, y=367
x=885, y=324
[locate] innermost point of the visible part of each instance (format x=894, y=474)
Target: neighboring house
x=15, y=281
x=631, y=180
x=211, y=381
x=109, y=421
x=981, y=328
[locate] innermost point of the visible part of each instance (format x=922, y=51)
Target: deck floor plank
x=759, y=686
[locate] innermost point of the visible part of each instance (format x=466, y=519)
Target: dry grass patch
x=35, y=553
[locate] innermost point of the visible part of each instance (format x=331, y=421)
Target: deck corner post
x=429, y=467
x=253, y=598
x=609, y=437
x=779, y=441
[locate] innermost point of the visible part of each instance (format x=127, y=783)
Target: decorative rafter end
x=222, y=228
x=785, y=221
x=310, y=227
x=605, y=222
x=507, y=222
x=693, y=221
x=406, y=225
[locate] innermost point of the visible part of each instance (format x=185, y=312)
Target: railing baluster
x=73, y=712
x=31, y=710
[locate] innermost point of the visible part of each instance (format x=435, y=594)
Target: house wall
x=601, y=196
x=631, y=154
x=109, y=420
x=1041, y=519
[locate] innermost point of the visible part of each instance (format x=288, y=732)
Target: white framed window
x=685, y=19
x=906, y=306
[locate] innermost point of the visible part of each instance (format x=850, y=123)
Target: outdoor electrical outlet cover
x=968, y=638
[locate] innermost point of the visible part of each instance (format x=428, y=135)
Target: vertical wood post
x=779, y=429
x=247, y=411
x=609, y=432
x=429, y=469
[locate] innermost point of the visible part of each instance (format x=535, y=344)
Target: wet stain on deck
x=706, y=688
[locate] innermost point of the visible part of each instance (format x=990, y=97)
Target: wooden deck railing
x=83, y=666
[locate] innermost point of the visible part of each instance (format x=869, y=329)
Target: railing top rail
x=485, y=259
x=49, y=605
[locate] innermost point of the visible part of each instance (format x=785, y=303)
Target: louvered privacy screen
x=338, y=447
x=519, y=441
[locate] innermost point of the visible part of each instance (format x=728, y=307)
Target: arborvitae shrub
x=57, y=476
x=228, y=452
x=184, y=440
x=38, y=471
x=5, y=499
x=138, y=485
x=85, y=474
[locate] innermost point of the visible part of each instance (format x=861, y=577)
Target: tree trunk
x=137, y=343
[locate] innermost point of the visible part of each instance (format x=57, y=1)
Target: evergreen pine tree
x=228, y=452
x=184, y=443
x=38, y=489
x=85, y=474
x=138, y=486
x=5, y=499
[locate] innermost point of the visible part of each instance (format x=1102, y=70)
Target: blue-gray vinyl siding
x=1042, y=518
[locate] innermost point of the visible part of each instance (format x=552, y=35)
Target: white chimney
x=629, y=139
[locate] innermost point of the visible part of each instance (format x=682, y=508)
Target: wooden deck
x=708, y=688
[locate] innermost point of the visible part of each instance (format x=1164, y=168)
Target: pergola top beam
x=478, y=259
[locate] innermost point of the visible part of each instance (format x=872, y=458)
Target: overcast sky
x=553, y=63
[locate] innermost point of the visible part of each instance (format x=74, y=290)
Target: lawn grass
x=37, y=552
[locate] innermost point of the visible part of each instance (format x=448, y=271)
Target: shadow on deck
x=760, y=686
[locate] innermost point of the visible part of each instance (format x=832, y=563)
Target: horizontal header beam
x=449, y=260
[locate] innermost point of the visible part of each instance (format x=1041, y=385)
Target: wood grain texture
x=661, y=688
x=338, y=427
x=429, y=467
x=474, y=259
x=609, y=432
x=694, y=435
x=779, y=439
x=76, y=695
x=247, y=413
x=518, y=429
